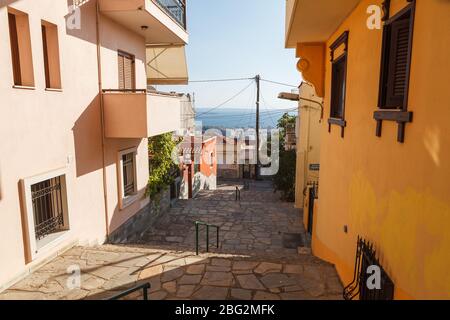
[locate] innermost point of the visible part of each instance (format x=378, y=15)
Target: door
x=246, y=174
x=312, y=198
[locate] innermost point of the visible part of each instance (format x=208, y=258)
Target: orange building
x=382, y=68
x=198, y=165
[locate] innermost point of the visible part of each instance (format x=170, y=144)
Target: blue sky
x=238, y=39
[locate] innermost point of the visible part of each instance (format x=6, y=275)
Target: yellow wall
x=396, y=195
x=308, y=141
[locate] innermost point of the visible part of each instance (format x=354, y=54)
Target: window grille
x=128, y=174
x=48, y=210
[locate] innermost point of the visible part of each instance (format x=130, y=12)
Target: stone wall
x=135, y=227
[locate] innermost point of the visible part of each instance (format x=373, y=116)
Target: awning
x=166, y=64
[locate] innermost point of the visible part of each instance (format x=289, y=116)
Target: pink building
x=75, y=118
x=199, y=166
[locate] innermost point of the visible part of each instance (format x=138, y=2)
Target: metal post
x=146, y=292
x=207, y=238
x=196, y=238
x=257, y=78
x=217, y=237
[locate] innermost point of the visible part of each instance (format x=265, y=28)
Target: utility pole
x=258, y=79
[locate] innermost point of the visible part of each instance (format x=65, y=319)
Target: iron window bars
x=48, y=209
x=366, y=257
x=128, y=174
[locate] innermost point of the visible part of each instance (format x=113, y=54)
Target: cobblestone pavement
x=251, y=263
x=259, y=223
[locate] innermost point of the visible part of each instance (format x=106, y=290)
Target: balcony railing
x=176, y=9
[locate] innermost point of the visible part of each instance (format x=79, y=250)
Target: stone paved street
x=257, y=224
x=253, y=261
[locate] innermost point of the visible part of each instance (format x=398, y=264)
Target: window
x=46, y=210
x=395, y=69
x=126, y=71
x=51, y=55
x=395, y=62
x=128, y=168
x=338, y=82
x=127, y=177
x=21, y=55
x=338, y=88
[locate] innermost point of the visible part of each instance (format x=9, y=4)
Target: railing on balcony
x=176, y=9
x=124, y=90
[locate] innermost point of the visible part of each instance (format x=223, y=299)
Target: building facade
x=77, y=115
x=198, y=166
x=382, y=69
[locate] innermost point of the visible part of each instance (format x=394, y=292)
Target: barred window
x=128, y=170
x=48, y=208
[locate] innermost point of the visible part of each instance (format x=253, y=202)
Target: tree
x=284, y=180
x=160, y=150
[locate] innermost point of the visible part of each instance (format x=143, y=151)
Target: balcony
x=312, y=21
x=176, y=9
x=158, y=21
x=140, y=114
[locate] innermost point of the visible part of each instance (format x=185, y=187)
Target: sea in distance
x=234, y=118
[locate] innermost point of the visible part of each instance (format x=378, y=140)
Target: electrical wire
x=279, y=83
x=225, y=102
x=219, y=80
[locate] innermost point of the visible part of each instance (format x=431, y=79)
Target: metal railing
x=176, y=9
x=197, y=225
x=365, y=258
x=238, y=194
x=124, y=90
x=144, y=287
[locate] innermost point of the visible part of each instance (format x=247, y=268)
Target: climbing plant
x=284, y=180
x=160, y=150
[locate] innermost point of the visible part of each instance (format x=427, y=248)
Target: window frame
x=125, y=201
x=33, y=248
x=342, y=40
x=399, y=114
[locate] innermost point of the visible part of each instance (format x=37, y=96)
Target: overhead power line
x=219, y=80
x=267, y=112
x=230, y=99
x=279, y=83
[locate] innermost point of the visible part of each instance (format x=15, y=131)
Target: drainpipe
x=102, y=117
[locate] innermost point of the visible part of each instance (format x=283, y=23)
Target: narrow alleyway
x=258, y=224
x=257, y=257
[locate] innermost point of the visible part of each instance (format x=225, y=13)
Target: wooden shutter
x=126, y=71
x=121, y=72
x=398, y=63
x=46, y=63
x=14, y=49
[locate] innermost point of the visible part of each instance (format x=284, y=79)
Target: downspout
x=102, y=117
